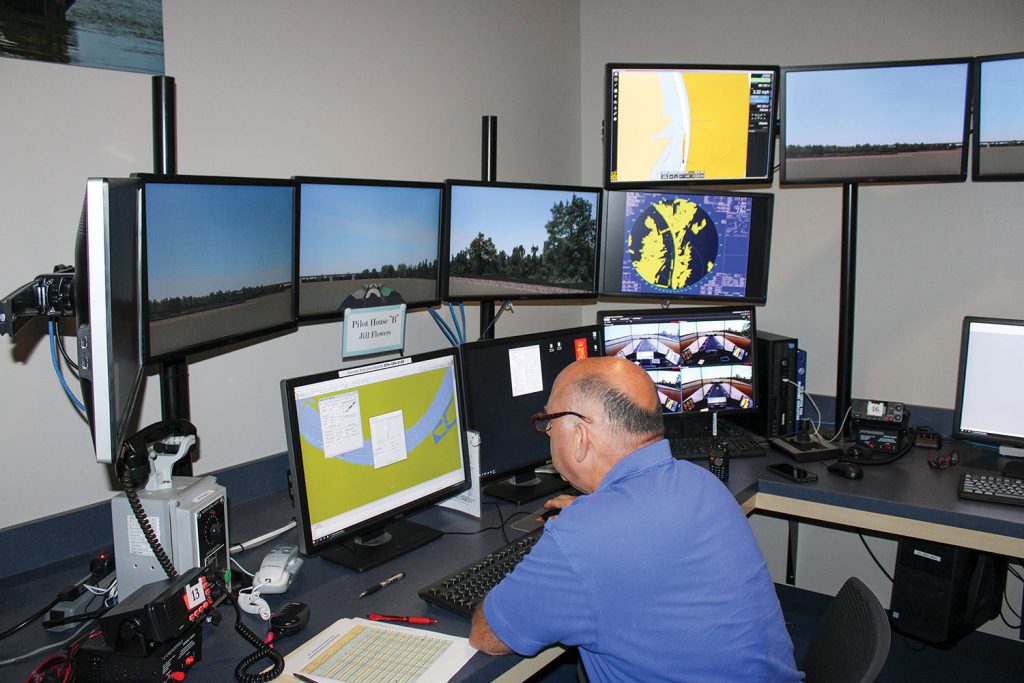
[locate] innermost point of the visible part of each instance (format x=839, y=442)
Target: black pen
x=386, y=582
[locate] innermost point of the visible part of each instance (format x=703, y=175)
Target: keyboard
x=699, y=447
x=462, y=590
x=992, y=486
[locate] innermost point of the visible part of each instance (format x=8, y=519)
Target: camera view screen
x=897, y=121
x=1000, y=134
x=376, y=439
x=672, y=124
x=701, y=246
x=219, y=263
x=367, y=242
x=515, y=242
x=699, y=360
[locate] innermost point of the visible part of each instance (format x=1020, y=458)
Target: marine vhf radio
x=187, y=515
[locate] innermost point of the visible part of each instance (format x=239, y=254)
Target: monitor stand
x=526, y=486
x=383, y=544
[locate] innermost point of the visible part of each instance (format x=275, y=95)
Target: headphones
x=941, y=462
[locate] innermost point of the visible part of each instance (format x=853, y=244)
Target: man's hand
x=482, y=637
x=558, y=503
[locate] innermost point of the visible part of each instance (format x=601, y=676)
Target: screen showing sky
x=877, y=105
x=208, y=238
x=510, y=216
x=350, y=228
x=1002, y=100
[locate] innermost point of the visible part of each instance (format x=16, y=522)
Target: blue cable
x=462, y=312
x=455, y=322
x=56, y=368
x=443, y=326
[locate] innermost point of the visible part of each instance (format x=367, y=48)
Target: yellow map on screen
x=677, y=125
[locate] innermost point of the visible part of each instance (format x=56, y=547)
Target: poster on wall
x=124, y=35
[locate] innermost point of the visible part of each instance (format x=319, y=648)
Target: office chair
x=851, y=643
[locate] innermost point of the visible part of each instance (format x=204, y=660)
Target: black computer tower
x=941, y=593
x=775, y=359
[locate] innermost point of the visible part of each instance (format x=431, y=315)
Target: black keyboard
x=699, y=447
x=993, y=487
x=462, y=590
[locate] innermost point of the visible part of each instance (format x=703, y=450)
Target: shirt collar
x=640, y=459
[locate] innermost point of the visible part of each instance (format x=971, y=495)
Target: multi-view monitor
x=700, y=359
x=671, y=125
x=687, y=245
x=520, y=241
x=368, y=444
x=900, y=121
x=367, y=243
x=218, y=261
x=998, y=123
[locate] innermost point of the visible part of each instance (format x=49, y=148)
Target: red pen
x=407, y=620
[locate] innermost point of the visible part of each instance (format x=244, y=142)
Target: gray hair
x=622, y=411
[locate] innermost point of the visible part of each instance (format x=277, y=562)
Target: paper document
x=363, y=651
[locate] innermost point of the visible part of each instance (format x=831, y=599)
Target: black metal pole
x=174, y=396
x=847, y=292
x=489, y=174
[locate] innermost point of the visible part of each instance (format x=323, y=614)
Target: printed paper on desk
x=352, y=649
x=469, y=501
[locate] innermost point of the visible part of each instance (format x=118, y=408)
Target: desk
x=906, y=498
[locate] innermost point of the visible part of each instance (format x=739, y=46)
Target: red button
x=177, y=675
x=190, y=660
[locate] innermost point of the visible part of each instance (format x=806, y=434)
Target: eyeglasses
x=542, y=421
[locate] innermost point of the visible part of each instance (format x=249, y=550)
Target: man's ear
x=582, y=440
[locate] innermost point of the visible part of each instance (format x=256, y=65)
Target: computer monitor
x=700, y=246
x=367, y=243
x=519, y=241
x=108, y=310
x=507, y=381
x=989, y=378
x=679, y=124
x=879, y=122
x=368, y=445
x=218, y=262
x=700, y=359
x=998, y=142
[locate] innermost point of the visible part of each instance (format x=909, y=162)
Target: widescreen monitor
x=998, y=142
x=989, y=378
x=368, y=445
x=219, y=262
x=520, y=241
x=677, y=124
x=367, y=243
x=108, y=310
x=507, y=381
x=700, y=359
x=881, y=122
x=700, y=246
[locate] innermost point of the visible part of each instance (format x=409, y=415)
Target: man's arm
x=482, y=637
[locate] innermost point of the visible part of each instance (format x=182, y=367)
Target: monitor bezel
x=607, y=250
x=957, y=431
x=976, y=173
x=446, y=294
x=959, y=177
x=678, y=313
x=609, y=129
x=473, y=408
x=317, y=180
x=182, y=352
x=292, y=436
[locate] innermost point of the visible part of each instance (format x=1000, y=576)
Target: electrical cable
x=14, y=629
x=51, y=646
x=455, y=322
x=505, y=305
x=64, y=354
x=56, y=368
x=462, y=313
x=242, y=569
x=445, y=330
x=260, y=540
x=263, y=650
x=140, y=516
x=868, y=548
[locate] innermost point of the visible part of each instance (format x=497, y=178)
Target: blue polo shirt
x=655, y=576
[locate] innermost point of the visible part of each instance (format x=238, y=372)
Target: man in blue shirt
x=655, y=575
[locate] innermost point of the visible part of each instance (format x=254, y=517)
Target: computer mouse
x=850, y=470
x=856, y=452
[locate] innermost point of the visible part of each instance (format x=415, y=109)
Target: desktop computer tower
x=941, y=593
x=775, y=360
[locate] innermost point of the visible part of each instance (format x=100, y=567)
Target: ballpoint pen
x=386, y=582
x=407, y=620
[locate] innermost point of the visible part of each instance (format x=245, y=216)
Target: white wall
x=383, y=89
